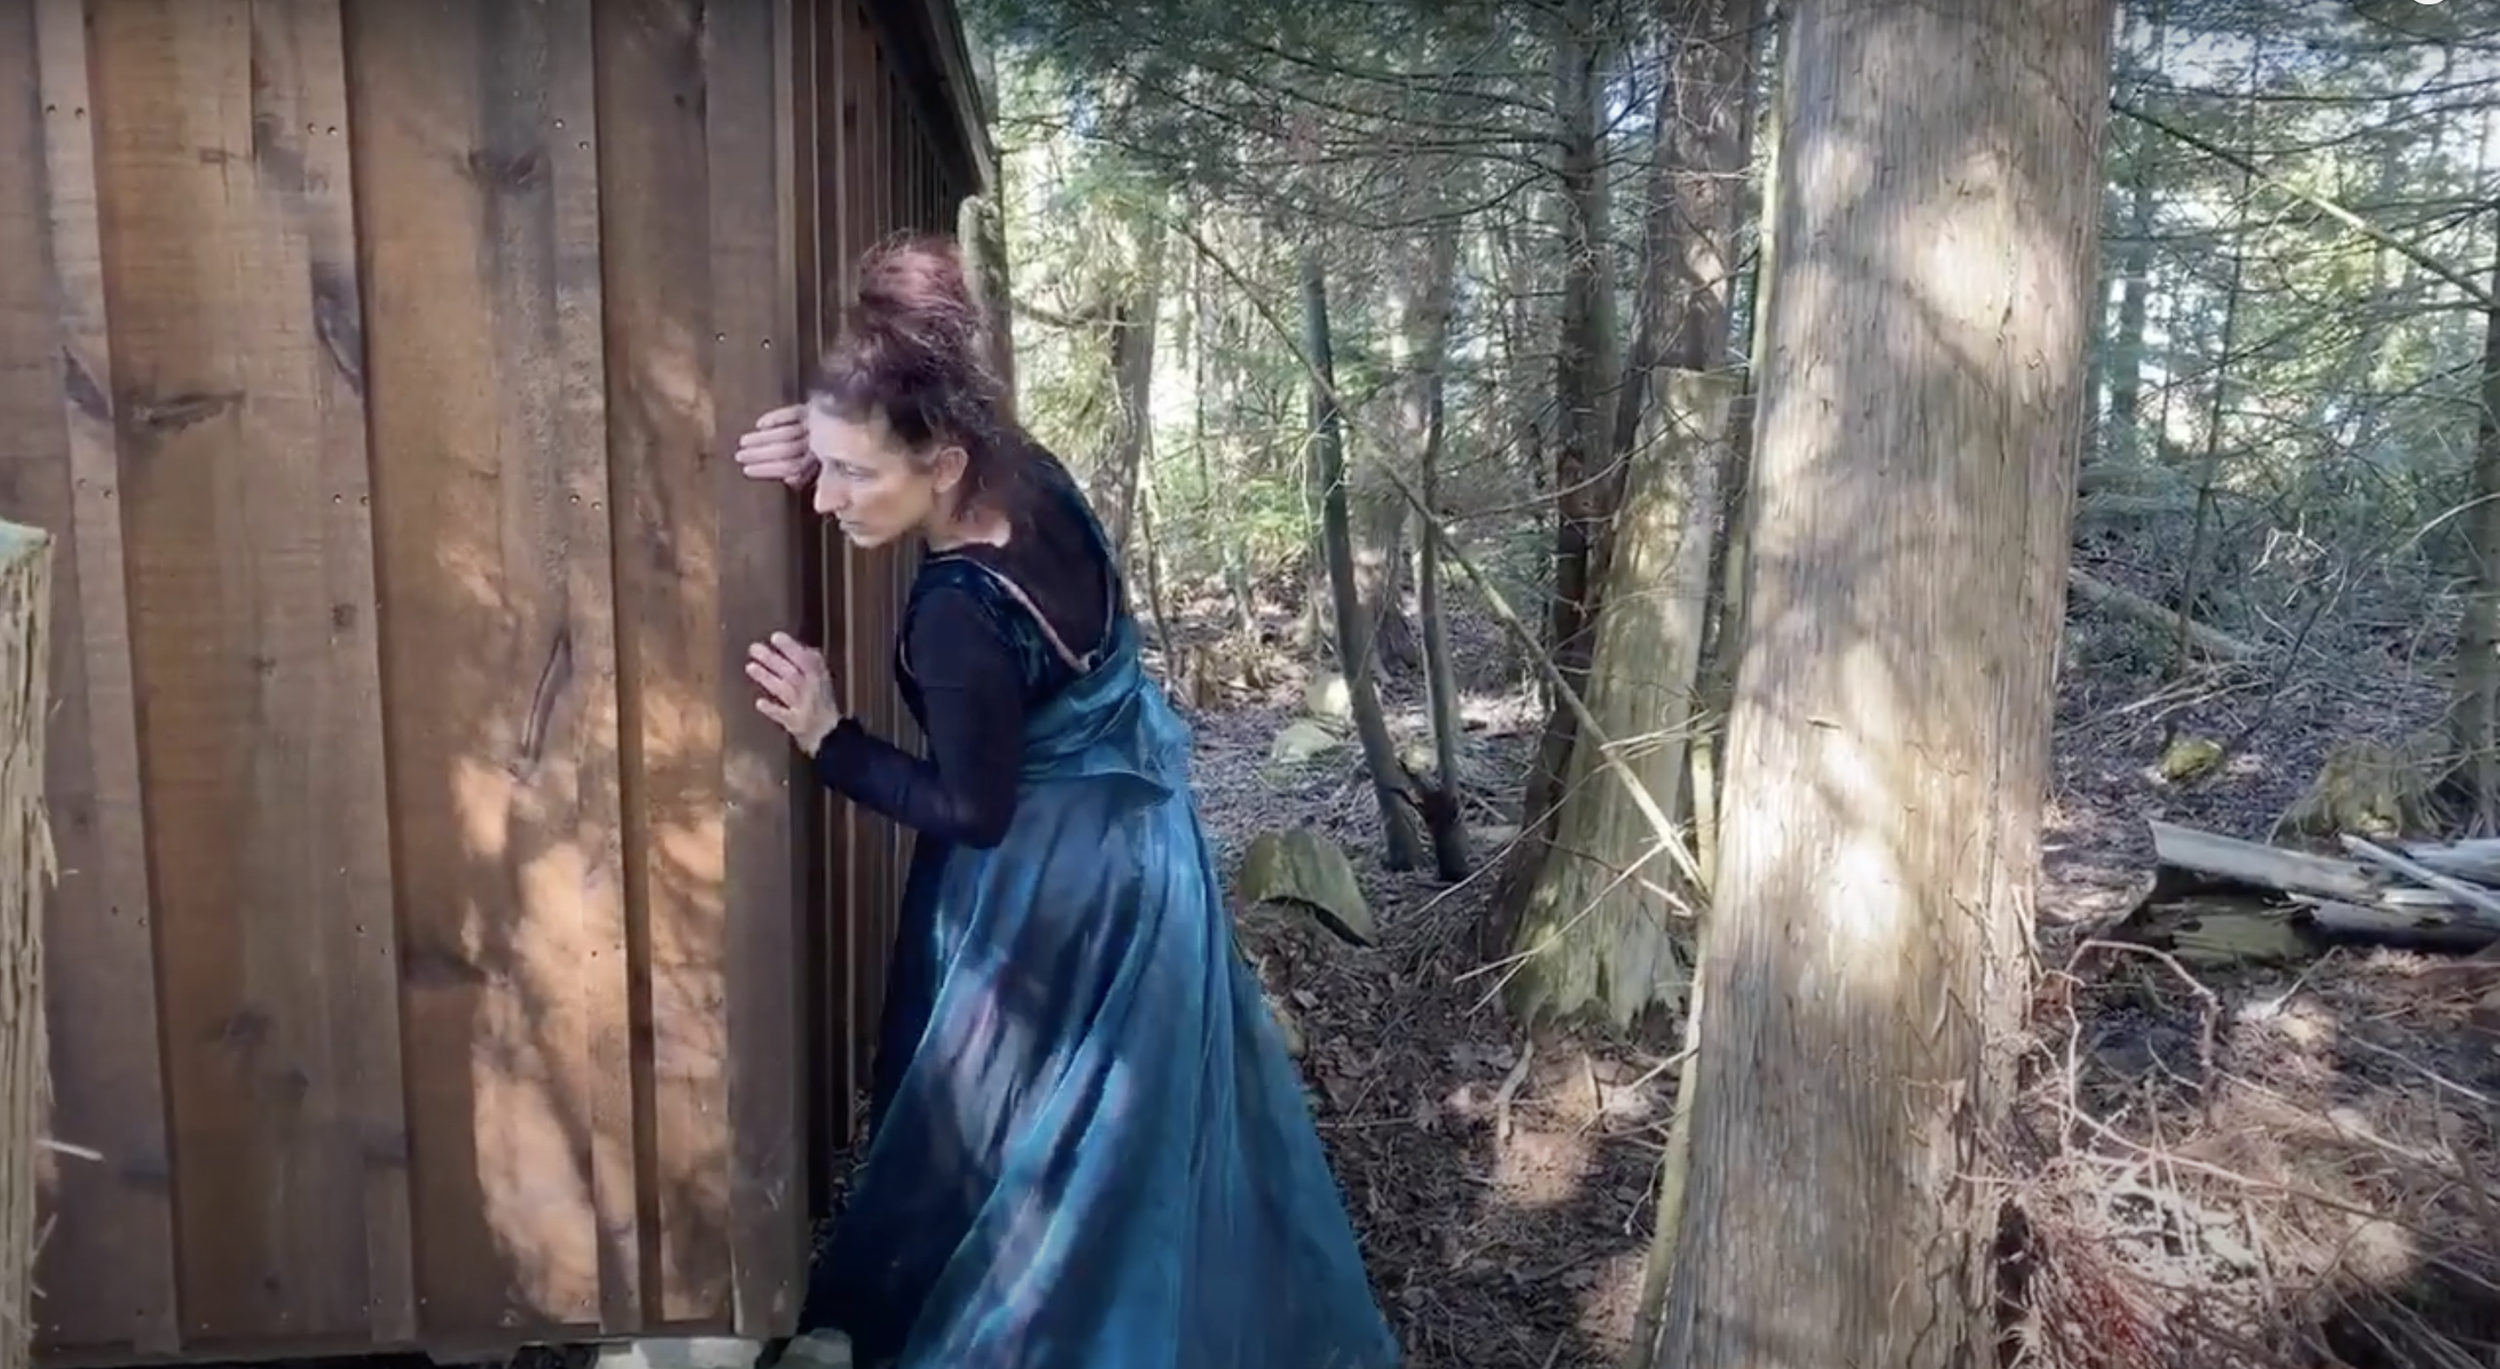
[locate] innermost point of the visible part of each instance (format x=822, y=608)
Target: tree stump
x=26, y=870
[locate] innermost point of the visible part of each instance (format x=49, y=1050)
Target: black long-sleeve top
x=974, y=665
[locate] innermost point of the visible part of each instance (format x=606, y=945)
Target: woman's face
x=871, y=485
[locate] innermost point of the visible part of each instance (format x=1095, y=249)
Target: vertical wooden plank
x=873, y=850
x=929, y=220
x=107, y=1270
x=906, y=177
x=924, y=214
x=747, y=132
x=831, y=1075
x=238, y=361
x=852, y=957
x=655, y=230
x=774, y=1159
x=892, y=213
x=880, y=187
x=810, y=539
x=799, y=43
x=876, y=632
x=903, y=179
x=478, y=184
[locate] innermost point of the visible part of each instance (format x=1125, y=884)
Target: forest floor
x=2256, y=1164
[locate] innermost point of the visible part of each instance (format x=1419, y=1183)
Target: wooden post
x=26, y=869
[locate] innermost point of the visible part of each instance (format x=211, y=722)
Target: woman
x=1089, y=1149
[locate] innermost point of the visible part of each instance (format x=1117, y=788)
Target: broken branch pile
x=2441, y=897
x=2241, y=1153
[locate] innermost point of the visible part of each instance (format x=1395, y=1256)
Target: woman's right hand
x=798, y=689
x=776, y=449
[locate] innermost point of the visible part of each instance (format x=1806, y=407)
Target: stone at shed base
x=818, y=1350
x=686, y=1352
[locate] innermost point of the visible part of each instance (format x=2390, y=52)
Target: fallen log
x=2342, y=901
x=2259, y=866
x=2395, y=928
x=2479, y=905
x=2211, y=641
x=2477, y=859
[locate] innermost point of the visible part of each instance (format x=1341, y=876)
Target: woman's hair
x=916, y=348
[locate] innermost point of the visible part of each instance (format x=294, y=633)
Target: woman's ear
x=947, y=470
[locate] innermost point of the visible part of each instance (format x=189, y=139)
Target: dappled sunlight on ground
x=2207, y=1155
x=1501, y=1187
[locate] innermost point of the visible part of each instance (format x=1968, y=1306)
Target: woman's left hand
x=776, y=449
x=798, y=689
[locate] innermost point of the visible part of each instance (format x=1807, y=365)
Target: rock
x=692, y=1352
x=2372, y=789
x=1328, y=696
x=1493, y=836
x=2188, y=758
x=1302, y=869
x=1301, y=742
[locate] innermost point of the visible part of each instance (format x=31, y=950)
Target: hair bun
x=917, y=348
x=912, y=290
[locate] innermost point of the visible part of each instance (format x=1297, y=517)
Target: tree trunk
x=2477, y=710
x=2192, y=569
x=1584, y=365
x=1521, y=335
x=1726, y=618
x=1157, y=574
x=1380, y=515
x=1209, y=386
x=26, y=1172
x=1864, y=969
x=1427, y=412
x=1400, y=846
x=1604, y=918
x=1598, y=921
x=2134, y=276
x=1113, y=489
x=981, y=226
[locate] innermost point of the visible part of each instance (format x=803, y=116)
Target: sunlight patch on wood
x=482, y=794
x=677, y=372
x=536, y=1138
x=537, y=1195
x=1868, y=911
x=679, y=723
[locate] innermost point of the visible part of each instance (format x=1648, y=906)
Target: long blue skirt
x=1091, y=1150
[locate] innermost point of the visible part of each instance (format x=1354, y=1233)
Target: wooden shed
x=446, y=956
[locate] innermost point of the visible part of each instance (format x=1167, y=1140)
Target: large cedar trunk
x=1863, y=969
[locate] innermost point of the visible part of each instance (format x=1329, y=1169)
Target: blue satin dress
x=1090, y=1148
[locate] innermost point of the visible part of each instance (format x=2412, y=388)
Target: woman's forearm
x=969, y=801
